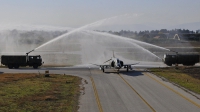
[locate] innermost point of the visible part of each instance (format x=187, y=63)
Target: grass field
x=187, y=77
x=34, y=92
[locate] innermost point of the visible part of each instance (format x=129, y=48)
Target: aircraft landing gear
x=103, y=69
x=128, y=67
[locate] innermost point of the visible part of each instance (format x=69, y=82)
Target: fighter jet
x=115, y=63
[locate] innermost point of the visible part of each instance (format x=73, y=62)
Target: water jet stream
x=148, y=51
x=78, y=29
x=135, y=41
x=135, y=44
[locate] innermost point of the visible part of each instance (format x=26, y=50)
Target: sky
x=77, y=13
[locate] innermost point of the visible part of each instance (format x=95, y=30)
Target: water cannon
x=27, y=55
x=29, y=52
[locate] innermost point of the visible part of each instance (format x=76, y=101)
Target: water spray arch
x=86, y=46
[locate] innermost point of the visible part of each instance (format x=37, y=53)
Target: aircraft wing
x=131, y=64
x=103, y=66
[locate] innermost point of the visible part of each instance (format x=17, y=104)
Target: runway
x=134, y=91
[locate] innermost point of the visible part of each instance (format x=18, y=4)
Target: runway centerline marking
x=173, y=90
x=96, y=95
x=138, y=94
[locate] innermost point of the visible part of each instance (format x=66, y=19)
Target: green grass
x=179, y=77
x=54, y=93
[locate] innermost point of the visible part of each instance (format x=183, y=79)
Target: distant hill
x=151, y=26
x=191, y=26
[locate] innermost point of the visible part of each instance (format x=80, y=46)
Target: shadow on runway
x=132, y=73
x=129, y=73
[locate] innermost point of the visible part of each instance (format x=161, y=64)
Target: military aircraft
x=115, y=63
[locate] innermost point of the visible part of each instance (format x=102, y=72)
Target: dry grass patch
x=187, y=77
x=33, y=92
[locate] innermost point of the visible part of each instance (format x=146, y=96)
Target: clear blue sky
x=75, y=13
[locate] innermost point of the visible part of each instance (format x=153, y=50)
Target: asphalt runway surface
x=134, y=91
